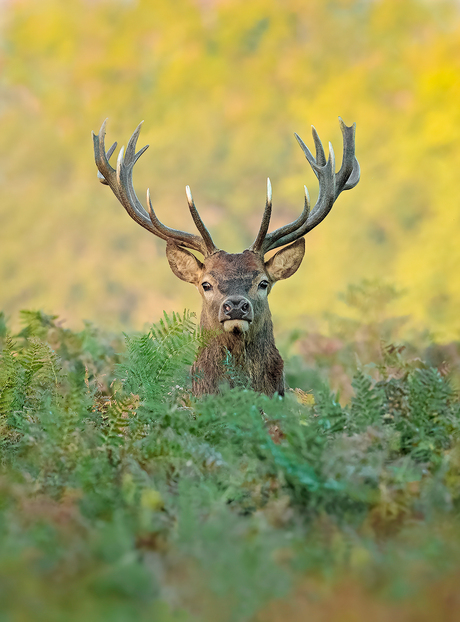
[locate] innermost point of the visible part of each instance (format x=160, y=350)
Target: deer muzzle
x=236, y=314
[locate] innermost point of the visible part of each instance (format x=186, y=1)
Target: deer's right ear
x=183, y=263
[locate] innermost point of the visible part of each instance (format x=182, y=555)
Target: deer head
x=234, y=287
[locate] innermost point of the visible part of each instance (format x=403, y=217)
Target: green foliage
x=128, y=495
x=367, y=337
x=155, y=359
x=3, y=325
x=9, y=379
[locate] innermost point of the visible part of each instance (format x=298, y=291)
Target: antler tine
x=320, y=155
x=126, y=193
x=210, y=246
x=349, y=173
x=261, y=236
x=320, y=159
x=101, y=157
x=189, y=240
x=100, y=176
x=124, y=174
x=330, y=186
x=117, y=179
x=308, y=220
x=121, y=184
x=284, y=234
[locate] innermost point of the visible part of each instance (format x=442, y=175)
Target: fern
x=10, y=375
x=177, y=324
x=3, y=326
x=161, y=357
x=40, y=362
x=103, y=461
x=367, y=403
x=428, y=428
x=116, y=421
x=36, y=323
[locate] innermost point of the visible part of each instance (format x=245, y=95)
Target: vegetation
x=123, y=498
x=222, y=86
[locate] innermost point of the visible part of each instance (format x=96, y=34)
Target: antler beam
x=331, y=184
x=120, y=181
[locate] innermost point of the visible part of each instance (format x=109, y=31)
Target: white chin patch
x=236, y=326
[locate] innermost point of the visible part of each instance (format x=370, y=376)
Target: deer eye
x=206, y=286
x=263, y=284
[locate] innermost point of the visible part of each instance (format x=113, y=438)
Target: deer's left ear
x=286, y=261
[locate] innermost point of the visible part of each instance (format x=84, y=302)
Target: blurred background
x=222, y=86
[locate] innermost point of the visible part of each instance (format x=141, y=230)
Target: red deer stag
x=234, y=287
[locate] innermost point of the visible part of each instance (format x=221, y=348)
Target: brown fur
x=251, y=358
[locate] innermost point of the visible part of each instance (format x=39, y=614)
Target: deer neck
x=247, y=359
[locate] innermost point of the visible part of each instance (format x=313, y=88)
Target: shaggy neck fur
x=246, y=359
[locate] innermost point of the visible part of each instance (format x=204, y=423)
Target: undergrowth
x=122, y=497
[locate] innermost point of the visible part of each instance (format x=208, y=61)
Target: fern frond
x=367, y=404
x=36, y=323
x=41, y=364
x=116, y=420
x=177, y=324
x=10, y=377
x=3, y=325
x=158, y=360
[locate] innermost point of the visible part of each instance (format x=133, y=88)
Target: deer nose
x=236, y=308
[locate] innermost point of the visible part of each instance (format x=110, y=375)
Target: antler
x=121, y=183
x=331, y=184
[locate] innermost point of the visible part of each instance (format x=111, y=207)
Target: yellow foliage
x=152, y=500
x=222, y=86
x=306, y=398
